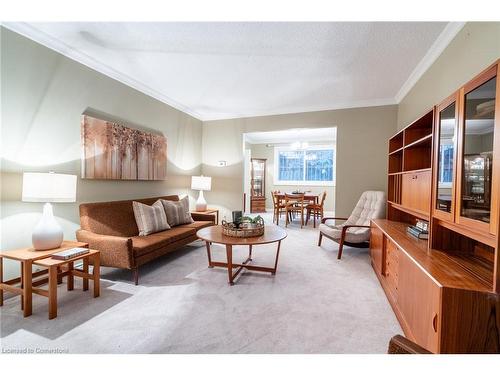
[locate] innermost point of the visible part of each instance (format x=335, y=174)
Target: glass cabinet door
x=477, y=152
x=258, y=177
x=446, y=158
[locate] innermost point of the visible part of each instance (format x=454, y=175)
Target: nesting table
x=213, y=234
x=28, y=257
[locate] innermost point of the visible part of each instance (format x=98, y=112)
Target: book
x=421, y=224
x=70, y=253
x=417, y=233
x=417, y=229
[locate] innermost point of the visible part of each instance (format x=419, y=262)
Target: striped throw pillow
x=150, y=219
x=177, y=212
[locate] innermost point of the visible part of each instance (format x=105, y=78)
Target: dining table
x=308, y=196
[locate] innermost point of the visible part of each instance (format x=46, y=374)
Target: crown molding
x=341, y=105
x=439, y=45
x=55, y=44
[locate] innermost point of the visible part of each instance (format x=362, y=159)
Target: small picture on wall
x=115, y=152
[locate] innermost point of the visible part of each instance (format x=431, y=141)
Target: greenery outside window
x=314, y=165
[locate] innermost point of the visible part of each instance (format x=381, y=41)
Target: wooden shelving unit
x=410, y=155
x=445, y=291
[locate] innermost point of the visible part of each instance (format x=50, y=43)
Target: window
x=446, y=163
x=312, y=166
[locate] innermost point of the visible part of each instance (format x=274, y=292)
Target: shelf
x=394, y=188
x=487, y=239
x=410, y=171
x=419, y=141
x=462, y=271
x=396, y=151
x=396, y=162
x=418, y=155
x=419, y=129
x=420, y=214
x=396, y=142
x=416, y=170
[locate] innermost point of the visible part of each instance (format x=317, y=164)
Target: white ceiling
x=230, y=70
x=292, y=135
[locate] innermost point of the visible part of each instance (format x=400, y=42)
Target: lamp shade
x=201, y=183
x=49, y=187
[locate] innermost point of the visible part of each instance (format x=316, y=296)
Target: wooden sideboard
x=443, y=301
x=444, y=168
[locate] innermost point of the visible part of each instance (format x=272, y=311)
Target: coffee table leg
x=209, y=255
x=85, y=270
x=71, y=277
x=53, y=292
x=250, y=252
x=27, y=296
x=96, y=272
x=276, y=261
x=229, y=254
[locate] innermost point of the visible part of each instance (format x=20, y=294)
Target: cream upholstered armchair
x=355, y=231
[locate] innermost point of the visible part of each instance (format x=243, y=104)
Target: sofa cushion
x=114, y=218
x=177, y=212
x=144, y=244
x=197, y=225
x=150, y=219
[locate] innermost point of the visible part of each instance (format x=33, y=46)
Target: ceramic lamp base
x=201, y=203
x=47, y=234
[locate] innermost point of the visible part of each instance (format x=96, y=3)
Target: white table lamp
x=48, y=187
x=201, y=183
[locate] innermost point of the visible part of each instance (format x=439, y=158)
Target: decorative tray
x=247, y=228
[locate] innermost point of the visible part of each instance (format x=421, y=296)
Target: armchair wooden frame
x=342, y=240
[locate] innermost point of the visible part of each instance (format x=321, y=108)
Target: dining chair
x=278, y=206
x=294, y=203
x=316, y=209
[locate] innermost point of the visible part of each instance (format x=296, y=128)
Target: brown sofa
x=110, y=227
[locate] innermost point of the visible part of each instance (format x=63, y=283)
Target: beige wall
x=474, y=48
x=362, y=135
x=44, y=94
x=43, y=97
x=264, y=152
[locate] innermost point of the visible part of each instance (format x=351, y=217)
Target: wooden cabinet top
x=448, y=270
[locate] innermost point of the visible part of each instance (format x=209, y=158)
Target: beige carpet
x=314, y=304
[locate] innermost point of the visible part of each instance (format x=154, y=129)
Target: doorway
x=294, y=160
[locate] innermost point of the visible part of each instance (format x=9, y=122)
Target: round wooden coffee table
x=213, y=234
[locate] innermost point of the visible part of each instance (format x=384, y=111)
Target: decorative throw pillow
x=150, y=219
x=177, y=212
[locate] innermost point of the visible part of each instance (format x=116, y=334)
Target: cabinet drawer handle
x=434, y=323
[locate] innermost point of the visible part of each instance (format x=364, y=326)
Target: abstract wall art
x=115, y=152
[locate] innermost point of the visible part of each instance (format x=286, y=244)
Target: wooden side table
x=54, y=264
x=210, y=211
x=26, y=256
